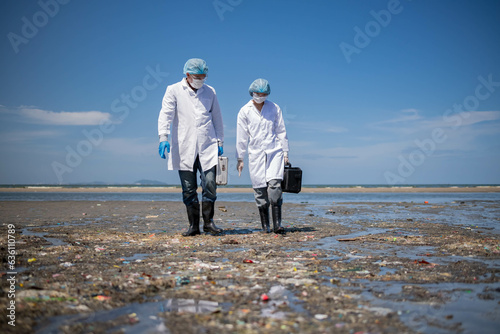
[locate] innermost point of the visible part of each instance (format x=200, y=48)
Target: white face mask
x=197, y=83
x=259, y=99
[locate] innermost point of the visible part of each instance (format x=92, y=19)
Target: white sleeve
x=241, y=135
x=167, y=112
x=281, y=130
x=217, y=120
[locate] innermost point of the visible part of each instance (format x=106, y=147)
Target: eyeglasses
x=198, y=76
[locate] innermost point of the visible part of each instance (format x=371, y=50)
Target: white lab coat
x=193, y=122
x=264, y=134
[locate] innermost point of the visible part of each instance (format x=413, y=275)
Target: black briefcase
x=292, y=179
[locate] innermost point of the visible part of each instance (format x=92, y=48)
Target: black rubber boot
x=193, y=212
x=207, y=210
x=264, y=218
x=276, y=211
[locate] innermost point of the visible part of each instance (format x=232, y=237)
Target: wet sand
x=222, y=189
x=122, y=266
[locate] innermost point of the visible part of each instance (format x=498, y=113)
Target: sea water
x=319, y=198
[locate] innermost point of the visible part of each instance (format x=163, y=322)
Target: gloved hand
x=239, y=167
x=285, y=154
x=161, y=149
x=221, y=151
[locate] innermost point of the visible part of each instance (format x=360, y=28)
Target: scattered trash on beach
x=123, y=269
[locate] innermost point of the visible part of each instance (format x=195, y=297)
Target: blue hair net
x=259, y=86
x=195, y=66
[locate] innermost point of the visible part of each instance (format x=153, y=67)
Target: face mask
x=259, y=99
x=197, y=84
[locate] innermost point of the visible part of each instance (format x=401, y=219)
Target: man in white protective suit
x=261, y=130
x=191, y=132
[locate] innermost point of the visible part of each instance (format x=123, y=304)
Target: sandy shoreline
x=346, y=268
x=111, y=189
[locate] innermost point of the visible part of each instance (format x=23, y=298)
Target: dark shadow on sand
x=238, y=231
x=251, y=231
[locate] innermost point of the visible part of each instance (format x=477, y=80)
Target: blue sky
x=373, y=92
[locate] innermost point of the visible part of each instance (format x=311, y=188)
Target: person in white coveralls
x=191, y=132
x=261, y=130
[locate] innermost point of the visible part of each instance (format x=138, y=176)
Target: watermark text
x=454, y=118
x=11, y=274
x=31, y=26
x=120, y=107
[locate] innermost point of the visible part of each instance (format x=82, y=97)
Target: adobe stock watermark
x=373, y=28
x=31, y=26
x=11, y=274
x=120, y=107
x=222, y=6
x=453, y=116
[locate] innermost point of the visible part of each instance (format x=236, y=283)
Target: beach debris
x=102, y=298
x=277, y=291
x=67, y=264
x=182, y=280
x=230, y=242
x=222, y=208
x=380, y=311
x=133, y=318
x=425, y=262
x=41, y=295
x=114, y=261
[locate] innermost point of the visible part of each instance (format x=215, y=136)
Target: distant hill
x=149, y=182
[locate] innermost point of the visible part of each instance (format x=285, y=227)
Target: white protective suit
x=265, y=136
x=193, y=122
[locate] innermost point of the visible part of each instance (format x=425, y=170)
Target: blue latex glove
x=221, y=151
x=161, y=149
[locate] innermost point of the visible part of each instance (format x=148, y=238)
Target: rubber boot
x=207, y=210
x=193, y=212
x=264, y=218
x=276, y=211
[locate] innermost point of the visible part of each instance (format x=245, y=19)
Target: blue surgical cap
x=259, y=86
x=195, y=66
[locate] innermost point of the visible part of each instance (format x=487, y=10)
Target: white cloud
x=414, y=123
x=463, y=119
x=23, y=136
x=407, y=122
x=481, y=116
x=36, y=115
x=407, y=116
